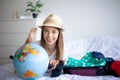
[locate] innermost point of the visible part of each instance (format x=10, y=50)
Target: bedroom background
x=81, y=19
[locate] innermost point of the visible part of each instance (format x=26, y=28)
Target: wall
x=13, y=34
x=81, y=18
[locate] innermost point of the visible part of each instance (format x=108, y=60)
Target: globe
x=30, y=61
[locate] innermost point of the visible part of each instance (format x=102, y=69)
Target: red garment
x=116, y=67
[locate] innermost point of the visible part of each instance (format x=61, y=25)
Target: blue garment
x=98, y=55
x=109, y=60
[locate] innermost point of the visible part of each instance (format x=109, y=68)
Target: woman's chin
x=49, y=44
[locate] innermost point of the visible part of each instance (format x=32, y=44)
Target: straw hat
x=53, y=20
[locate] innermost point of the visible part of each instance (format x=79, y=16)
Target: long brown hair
x=59, y=44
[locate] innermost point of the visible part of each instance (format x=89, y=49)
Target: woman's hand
x=54, y=63
x=31, y=35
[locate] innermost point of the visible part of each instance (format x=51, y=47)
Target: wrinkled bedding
x=7, y=73
x=109, y=46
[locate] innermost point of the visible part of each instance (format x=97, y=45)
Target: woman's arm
x=56, y=66
x=31, y=35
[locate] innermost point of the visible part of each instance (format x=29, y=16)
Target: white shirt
x=53, y=55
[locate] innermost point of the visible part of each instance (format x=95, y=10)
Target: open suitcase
x=91, y=64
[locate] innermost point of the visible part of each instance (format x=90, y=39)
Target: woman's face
x=50, y=35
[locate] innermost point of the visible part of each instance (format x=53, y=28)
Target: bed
x=109, y=46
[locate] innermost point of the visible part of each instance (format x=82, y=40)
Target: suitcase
x=91, y=64
x=85, y=71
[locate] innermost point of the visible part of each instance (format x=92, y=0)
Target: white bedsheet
x=109, y=46
x=7, y=73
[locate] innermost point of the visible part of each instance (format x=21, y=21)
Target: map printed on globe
x=31, y=61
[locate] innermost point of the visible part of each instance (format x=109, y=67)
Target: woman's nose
x=49, y=34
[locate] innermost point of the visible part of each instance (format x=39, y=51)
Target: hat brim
x=52, y=26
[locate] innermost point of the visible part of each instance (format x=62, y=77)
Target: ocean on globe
x=31, y=61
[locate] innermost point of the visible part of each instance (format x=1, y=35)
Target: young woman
x=52, y=42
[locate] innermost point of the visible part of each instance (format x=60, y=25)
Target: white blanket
x=108, y=46
x=7, y=73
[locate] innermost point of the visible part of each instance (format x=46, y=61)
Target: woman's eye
x=53, y=32
x=45, y=30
